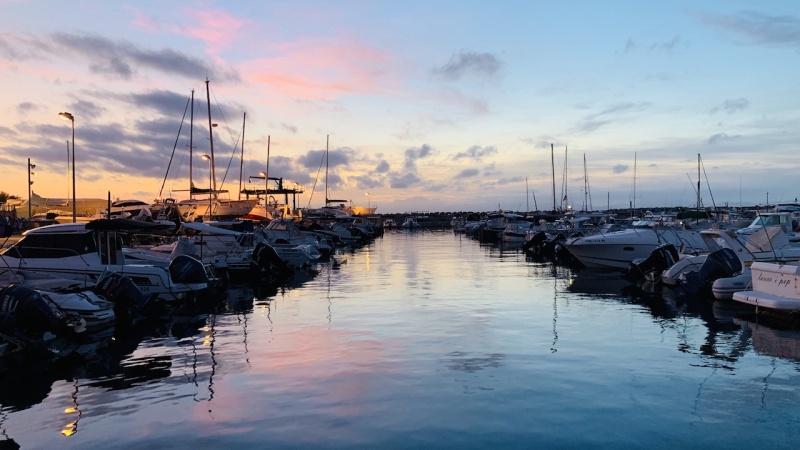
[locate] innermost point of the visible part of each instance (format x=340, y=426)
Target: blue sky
x=430, y=106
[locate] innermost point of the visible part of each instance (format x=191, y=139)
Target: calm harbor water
x=424, y=340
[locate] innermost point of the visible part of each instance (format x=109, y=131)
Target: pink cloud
x=313, y=70
x=216, y=27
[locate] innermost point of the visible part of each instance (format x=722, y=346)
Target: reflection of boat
x=773, y=342
x=598, y=282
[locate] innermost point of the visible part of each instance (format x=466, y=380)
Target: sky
x=423, y=105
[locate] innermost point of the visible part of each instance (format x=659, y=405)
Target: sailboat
x=214, y=206
x=341, y=208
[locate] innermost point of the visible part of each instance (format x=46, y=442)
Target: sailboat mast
x=191, y=147
x=211, y=140
x=553, y=166
x=527, y=197
x=327, y=141
x=266, y=175
x=241, y=160
x=634, y=181
x=698, y=181
x=585, y=185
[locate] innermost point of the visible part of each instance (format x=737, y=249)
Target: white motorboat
x=775, y=287
x=410, y=223
x=517, y=232
x=284, y=231
x=616, y=250
x=85, y=251
x=763, y=245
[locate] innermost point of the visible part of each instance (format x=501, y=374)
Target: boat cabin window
x=53, y=245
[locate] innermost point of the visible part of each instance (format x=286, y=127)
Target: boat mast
x=211, y=140
x=698, y=181
x=527, y=197
x=191, y=147
x=565, y=197
x=634, y=182
x=266, y=175
x=585, y=185
x=553, y=166
x=241, y=161
x=327, y=141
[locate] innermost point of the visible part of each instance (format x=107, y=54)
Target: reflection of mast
x=72, y=427
x=553, y=348
x=244, y=337
x=211, y=340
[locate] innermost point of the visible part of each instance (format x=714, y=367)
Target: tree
x=4, y=196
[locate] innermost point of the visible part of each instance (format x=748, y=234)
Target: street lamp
x=30, y=183
x=71, y=118
x=208, y=158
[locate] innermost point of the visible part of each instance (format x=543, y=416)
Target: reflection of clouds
x=463, y=362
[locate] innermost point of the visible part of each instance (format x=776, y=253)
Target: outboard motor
x=534, y=244
x=265, y=257
x=722, y=263
x=25, y=310
x=186, y=269
x=659, y=260
x=121, y=291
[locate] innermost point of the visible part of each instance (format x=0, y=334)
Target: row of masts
x=587, y=201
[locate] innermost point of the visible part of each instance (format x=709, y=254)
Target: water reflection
x=466, y=362
x=386, y=346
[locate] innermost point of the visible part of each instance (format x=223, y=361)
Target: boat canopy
x=124, y=225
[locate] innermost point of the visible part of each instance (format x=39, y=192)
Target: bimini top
x=100, y=225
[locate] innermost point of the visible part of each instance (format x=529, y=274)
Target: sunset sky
x=429, y=105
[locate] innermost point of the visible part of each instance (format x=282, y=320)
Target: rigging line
x=230, y=136
x=230, y=162
x=315, y=182
x=708, y=184
x=174, y=146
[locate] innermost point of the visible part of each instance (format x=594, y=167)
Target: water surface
x=424, y=340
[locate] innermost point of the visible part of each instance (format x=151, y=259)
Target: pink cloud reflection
x=337, y=369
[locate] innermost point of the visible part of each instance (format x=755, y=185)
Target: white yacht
x=85, y=251
x=616, y=250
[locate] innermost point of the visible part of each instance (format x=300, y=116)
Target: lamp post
x=368, y=204
x=71, y=118
x=30, y=183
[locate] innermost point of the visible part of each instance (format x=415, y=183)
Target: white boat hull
x=776, y=286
